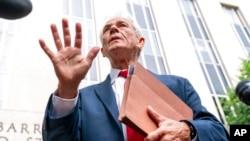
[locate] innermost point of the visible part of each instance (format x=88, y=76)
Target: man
x=91, y=113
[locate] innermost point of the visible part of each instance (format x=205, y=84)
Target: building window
x=206, y=54
x=82, y=12
x=239, y=26
x=151, y=55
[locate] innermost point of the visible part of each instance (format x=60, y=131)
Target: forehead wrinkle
x=126, y=17
x=119, y=21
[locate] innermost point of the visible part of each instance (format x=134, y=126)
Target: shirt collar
x=113, y=74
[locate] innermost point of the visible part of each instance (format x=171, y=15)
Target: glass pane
x=215, y=79
x=139, y=16
x=186, y=7
x=248, y=48
x=194, y=27
x=150, y=63
x=150, y=22
x=90, y=33
x=93, y=71
x=205, y=57
x=206, y=78
x=146, y=49
x=242, y=36
x=203, y=29
x=222, y=77
x=196, y=50
x=129, y=8
x=77, y=9
x=212, y=53
x=155, y=43
x=66, y=7
x=246, y=31
x=204, y=53
x=233, y=16
x=186, y=24
x=161, y=65
x=88, y=9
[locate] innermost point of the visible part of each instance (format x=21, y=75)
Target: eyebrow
x=107, y=26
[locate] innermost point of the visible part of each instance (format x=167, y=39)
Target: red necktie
x=132, y=135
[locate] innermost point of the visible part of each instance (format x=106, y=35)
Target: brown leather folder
x=143, y=89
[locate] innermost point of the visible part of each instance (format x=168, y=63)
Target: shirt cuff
x=62, y=107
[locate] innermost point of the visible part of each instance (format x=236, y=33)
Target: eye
x=123, y=24
x=105, y=29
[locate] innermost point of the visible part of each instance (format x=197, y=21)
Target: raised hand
x=69, y=64
x=168, y=129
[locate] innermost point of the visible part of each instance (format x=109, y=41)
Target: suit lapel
x=106, y=95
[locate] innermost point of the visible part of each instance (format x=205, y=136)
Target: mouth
x=114, y=39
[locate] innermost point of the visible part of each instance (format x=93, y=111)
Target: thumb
x=155, y=116
x=92, y=54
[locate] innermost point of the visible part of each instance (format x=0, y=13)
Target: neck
x=122, y=65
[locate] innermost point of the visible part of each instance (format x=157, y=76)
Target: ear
x=141, y=42
x=103, y=54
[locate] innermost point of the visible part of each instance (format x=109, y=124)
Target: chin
x=116, y=46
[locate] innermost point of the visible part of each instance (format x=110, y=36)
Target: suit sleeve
x=64, y=128
x=207, y=127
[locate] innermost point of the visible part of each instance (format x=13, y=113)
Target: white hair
x=125, y=15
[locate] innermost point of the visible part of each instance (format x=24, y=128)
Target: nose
x=113, y=29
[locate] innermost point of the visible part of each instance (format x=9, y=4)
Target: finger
x=56, y=37
x=155, y=135
x=158, y=118
x=78, y=37
x=92, y=54
x=45, y=48
x=66, y=33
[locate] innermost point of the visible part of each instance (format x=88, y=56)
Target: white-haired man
x=91, y=113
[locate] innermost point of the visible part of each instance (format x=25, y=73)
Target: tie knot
x=123, y=73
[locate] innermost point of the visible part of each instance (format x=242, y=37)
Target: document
x=143, y=89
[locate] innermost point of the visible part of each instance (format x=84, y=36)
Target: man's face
x=120, y=38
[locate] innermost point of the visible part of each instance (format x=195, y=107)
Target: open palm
x=69, y=63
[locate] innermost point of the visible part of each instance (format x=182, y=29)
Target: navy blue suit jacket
x=95, y=117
